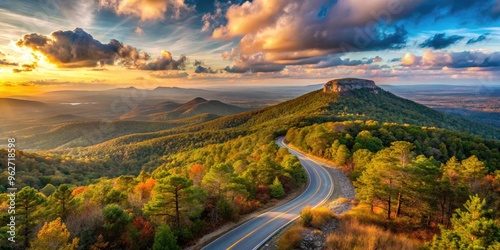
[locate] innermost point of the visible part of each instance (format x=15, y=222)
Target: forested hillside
x=315, y=107
x=210, y=185
x=412, y=179
x=183, y=181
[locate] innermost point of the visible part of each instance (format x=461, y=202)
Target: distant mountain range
x=169, y=110
x=42, y=129
x=13, y=107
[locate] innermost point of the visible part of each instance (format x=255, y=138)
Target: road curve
x=255, y=232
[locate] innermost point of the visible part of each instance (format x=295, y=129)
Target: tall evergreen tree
x=276, y=188
x=63, y=201
x=165, y=239
x=472, y=228
x=28, y=201
x=173, y=197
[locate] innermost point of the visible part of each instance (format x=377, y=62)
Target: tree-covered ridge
x=314, y=107
x=136, y=150
x=338, y=141
x=193, y=192
x=414, y=178
x=387, y=107
x=88, y=133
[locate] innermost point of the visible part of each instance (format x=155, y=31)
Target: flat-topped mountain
x=348, y=84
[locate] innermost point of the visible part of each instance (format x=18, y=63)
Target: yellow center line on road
x=282, y=214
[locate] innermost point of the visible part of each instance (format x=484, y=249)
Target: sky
x=97, y=44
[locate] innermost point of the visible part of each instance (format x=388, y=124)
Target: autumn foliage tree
x=54, y=236
x=143, y=189
x=146, y=232
x=196, y=173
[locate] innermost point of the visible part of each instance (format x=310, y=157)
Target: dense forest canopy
x=416, y=177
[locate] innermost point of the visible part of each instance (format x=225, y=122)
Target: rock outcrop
x=348, y=84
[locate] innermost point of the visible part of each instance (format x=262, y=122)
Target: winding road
x=255, y=232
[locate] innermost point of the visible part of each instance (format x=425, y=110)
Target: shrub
x=320, y=216
x=290, y=239
x=306, y=216
x=316, y=217
x=354, y=235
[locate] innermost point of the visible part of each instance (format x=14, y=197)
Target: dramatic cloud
x=4, y=62
x=214, y=20
x=169, y=74
x=165, y=62
x=465, y=59
x=25, y=68
x=336, y=60
x=440, y=41
x=254, y=63
x=200, y=68
x=69, y=49
x=230, y=55
x=477, y=39
x=307, y=26
x=293, y=32
x=146, y=9
x=207, y=70
x=409, y=59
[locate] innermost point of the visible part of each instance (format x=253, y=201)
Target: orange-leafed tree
x=196, y=174
x=146, y=232
x=144, y=188
x=78, y=191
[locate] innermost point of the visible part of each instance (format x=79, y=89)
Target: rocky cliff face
x=348, y=84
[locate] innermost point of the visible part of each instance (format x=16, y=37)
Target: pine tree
x=473, y=171
x=387, y=178
x=165, y=239
x=28, y=200
x=341, y=156
x=472, y=228
x=173, y=197
x=276, y=188
x=116, y=224
x=63, y=201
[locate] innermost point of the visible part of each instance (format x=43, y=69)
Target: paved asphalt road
x=255, y=232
